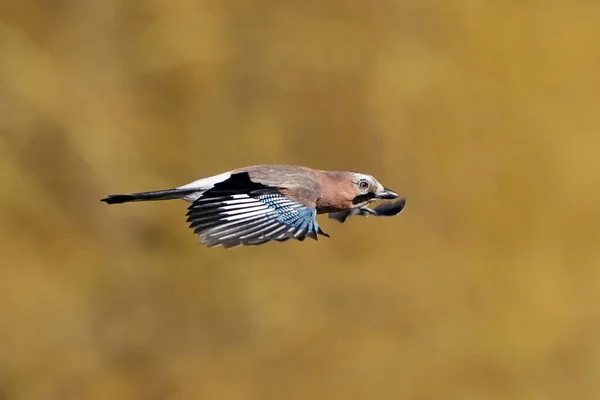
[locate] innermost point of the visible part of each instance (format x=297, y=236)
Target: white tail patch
x=202, y=185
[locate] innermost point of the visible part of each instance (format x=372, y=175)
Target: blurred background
x=484, y=114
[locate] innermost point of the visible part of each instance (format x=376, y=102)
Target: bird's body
x=257, y=204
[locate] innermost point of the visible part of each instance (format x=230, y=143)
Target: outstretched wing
x=238, y=211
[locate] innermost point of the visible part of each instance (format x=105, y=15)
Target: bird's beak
x=387, y=194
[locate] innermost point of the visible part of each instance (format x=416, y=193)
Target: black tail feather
x=147, y=196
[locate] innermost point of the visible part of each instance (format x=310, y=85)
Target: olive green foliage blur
x=484, y=114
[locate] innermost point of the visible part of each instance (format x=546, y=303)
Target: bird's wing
x=239, y=211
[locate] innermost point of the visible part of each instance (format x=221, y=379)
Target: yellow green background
x=484, y=114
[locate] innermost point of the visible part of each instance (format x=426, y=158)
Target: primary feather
x=239, y=211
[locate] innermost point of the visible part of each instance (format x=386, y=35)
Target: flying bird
x=257, y=204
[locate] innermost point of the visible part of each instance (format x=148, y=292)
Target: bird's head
x=344, y=190
x=365, y=189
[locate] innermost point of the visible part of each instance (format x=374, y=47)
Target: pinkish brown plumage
x=260, y=203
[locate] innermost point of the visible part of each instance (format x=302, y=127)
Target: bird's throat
x=363, y=198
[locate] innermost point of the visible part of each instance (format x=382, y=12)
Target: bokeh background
x=484, y=114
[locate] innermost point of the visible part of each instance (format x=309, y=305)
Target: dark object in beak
x=387, y=194
x=390, y=209
x=387, y=209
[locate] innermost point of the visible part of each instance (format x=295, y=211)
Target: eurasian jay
x=257, y=204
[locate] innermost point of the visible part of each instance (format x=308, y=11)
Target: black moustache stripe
x=361, y=198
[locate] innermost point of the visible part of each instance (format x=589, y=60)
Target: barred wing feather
x=224, y=216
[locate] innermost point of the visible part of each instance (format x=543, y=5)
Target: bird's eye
x=363, y=185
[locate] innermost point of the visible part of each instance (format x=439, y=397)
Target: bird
x=261, y=203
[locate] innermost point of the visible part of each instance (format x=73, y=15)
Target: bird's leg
x=366, y=211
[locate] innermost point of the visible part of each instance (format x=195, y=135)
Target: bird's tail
x=168, y=194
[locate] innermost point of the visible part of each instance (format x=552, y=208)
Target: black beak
x=387, y=194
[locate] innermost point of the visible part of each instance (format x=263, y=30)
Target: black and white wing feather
x=241, y=212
